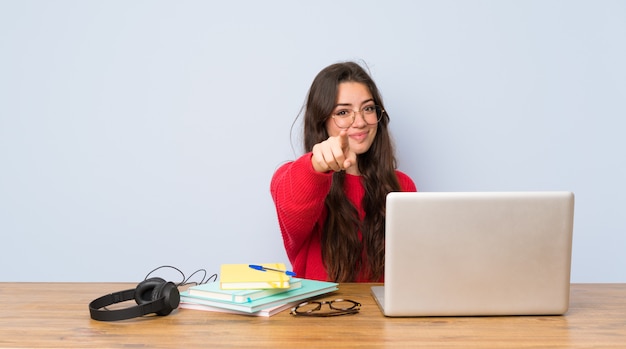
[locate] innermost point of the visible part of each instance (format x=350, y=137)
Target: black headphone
x=153, y=295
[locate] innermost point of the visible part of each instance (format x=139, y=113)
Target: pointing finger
x=350, y=160
x=343, y=140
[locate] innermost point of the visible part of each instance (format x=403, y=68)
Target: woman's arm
x=299, y=192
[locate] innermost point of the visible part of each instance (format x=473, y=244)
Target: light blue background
x=140, y=133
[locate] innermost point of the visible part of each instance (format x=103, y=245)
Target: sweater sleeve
x=299, y=192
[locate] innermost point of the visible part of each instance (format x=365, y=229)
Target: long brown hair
x=342, y=252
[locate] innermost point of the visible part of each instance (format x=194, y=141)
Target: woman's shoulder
x=406, y=183
x=299, y=172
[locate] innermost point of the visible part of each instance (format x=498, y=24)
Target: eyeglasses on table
x=336, y=307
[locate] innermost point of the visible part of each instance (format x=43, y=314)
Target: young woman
x=331, y=201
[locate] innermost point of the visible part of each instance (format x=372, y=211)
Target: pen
x=262, y=268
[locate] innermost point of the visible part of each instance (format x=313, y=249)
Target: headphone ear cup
x=144, y=293
x=169, y=291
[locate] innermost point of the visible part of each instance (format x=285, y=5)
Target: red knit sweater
x=299, y=193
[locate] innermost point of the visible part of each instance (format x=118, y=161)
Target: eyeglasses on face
x=337, y=307
x=344, y=117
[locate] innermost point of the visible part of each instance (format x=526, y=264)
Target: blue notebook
x=309, y=288
x=214, y=291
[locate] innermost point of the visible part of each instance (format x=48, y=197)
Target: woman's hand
x=333, y=154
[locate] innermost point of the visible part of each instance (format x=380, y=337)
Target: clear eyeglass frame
x=344, y=118
x=337, y=307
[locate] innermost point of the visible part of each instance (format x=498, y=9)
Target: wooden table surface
x=55, y=315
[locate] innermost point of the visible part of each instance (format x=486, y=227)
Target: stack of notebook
x=263, y=291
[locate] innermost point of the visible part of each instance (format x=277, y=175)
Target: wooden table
x=55, y=315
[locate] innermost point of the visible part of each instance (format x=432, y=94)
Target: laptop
x=477, y=254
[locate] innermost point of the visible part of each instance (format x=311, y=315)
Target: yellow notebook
x=242, y=277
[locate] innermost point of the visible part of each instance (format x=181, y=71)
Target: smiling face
x=354, y=96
